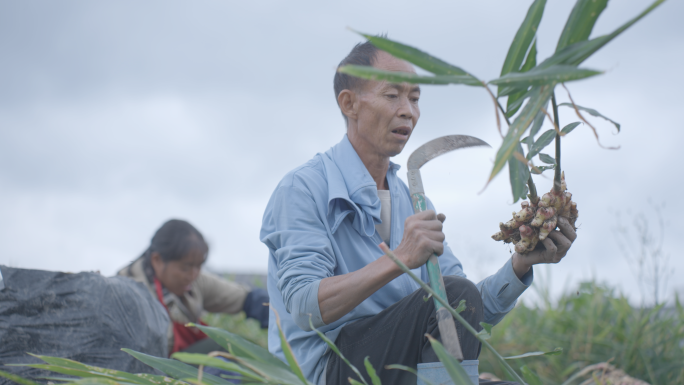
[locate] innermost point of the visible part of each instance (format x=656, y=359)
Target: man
x=323, y=225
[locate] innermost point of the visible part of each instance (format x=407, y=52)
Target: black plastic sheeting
x=84, y=317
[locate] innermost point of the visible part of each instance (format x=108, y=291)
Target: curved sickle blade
x=439, y=146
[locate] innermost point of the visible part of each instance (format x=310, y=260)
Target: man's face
x=386, y=113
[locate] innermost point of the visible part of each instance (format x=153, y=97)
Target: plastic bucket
x=437, y=374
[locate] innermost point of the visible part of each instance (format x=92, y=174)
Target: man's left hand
x=550, y=250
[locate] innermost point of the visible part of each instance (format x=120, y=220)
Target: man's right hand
x=423, y=236
x=340, y=294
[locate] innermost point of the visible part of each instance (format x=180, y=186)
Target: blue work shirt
x=320, y=222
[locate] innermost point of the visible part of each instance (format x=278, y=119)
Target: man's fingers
x=433, y=225
x=441, y=217
x=551, y=248
x=426, y=215
x=562, y=243
x=438, y=248
x=567, y=229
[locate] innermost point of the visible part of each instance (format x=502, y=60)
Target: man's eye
x=415, y=100
x=392, y=96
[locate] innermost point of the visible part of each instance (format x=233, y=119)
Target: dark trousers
x=397, y=336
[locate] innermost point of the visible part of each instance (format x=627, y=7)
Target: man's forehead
x=385, y=61
x=403, y=87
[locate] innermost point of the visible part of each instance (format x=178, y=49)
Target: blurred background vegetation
x=592, y=324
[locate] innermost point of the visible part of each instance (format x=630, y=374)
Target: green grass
x=592, y=325
x=239, y=324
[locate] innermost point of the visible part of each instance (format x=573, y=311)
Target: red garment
x=182, y=336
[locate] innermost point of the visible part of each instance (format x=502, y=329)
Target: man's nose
x=405, y=109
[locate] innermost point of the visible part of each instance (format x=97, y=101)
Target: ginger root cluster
x=537, y=219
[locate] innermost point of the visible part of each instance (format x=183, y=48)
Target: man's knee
x=459, y=288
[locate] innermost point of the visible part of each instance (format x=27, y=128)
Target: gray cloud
x=117, y=116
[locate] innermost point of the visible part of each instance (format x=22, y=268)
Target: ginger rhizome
x=538, y=218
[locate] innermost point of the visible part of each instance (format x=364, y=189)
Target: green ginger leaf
x=524, y=37
x=592, y=112
x=535, y=354
x=372, y=73
x=580, y=22
x=545, y=76
x=544, y=140
x=548, y=159
x=515, y=100
x=240, y=346
x=568, y=128
x=519, y=173
x=577, y=53
x=540, y=96
x=453, y=367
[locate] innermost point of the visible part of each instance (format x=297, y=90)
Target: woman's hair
x=174, y=240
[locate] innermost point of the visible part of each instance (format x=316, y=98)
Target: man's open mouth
x=402, y=131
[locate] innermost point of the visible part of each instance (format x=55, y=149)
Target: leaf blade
x=203, y=359
x=287, y=351
x=530, y=377
x=371, y=372
x=173, y=368
x=18, y=379
x=548, y=159
x=454, y=369
x=240, y=346
x=576, y=53
x=415, y=56
x=544, y=140
x=519, y=173
x=591, y=112
x=536, y=126
x=523, y=38
x=535, y=354
x=334, y=348
x=511, y=104
x=545, y=76
x=581, y=21
x=539, y=97
x=372, y=73
x=569, y=127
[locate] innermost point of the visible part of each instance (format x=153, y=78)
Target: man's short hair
x=362, y=54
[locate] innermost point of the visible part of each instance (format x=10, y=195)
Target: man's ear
x=347, y=100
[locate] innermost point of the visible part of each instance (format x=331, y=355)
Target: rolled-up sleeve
x=302, y=250
x=500, y=292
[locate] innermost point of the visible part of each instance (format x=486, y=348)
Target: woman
x=171, y=270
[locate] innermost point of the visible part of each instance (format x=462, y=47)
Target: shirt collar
x=351, y=189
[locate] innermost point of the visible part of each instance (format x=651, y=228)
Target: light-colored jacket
x=208, y=293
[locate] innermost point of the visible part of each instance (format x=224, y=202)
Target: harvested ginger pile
x=537, y=219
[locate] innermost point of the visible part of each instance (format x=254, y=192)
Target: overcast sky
x=116, y=116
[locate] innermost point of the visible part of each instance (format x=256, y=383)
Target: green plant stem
x=530, y=183
x=557, y=175
x=453, y=312
x=503, y=112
